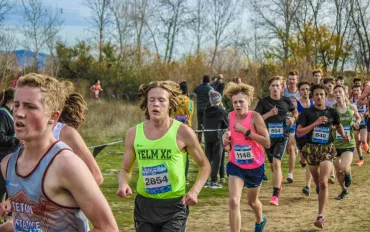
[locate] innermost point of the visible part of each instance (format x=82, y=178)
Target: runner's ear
x=54, y=117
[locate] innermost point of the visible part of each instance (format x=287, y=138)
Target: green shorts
x=316, y=153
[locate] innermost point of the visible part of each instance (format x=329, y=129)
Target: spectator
x=96, y=89
x=202, y=101
x=215, y=117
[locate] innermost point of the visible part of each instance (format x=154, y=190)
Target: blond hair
x=171, y=87
x=276, y=78
x=234, y=89
x=53, y=94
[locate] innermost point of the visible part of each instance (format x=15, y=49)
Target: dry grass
x=109, y=120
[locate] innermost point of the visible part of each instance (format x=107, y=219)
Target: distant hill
x=25, y=58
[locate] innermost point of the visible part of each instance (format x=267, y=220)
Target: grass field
x=296, y=212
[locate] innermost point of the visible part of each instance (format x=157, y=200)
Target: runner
x=347, y=114
x=274, y=109
x=96, y=89
x=364, y=100
x=339, y=80
x=45, y=172
x=69, y=121
x=247, y=136
x=317, y=76
x=160, y=144
x=316, y=122
x=361, y=132
x=302, y=103
x=293, y=93
x=329, y=88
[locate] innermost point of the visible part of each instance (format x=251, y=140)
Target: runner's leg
x=236, y=185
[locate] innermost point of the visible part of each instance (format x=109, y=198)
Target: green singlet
x=346, y=120
x=161, y=164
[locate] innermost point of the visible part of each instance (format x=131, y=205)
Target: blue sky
x=75, y=15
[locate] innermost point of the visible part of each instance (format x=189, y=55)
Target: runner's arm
x=128, y=158
x=75, y=177
x=73, y=139
x=263, y=137
x=197, y=154
x=356, y=114
x=7, y=226
x=362, y=100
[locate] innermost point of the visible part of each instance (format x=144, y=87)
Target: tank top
x=57, y=129
x=300, y=107
x=293, y=96
x=161, y=164
x=346, y=120
x=329, y=103
x=246, y=154
x=362, y=110
x=32, y=209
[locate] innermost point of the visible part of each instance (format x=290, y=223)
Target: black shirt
x=278, y=122
x=320, y=134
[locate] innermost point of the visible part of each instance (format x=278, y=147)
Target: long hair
x=171, y=87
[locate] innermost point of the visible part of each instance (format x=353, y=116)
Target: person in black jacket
x=215, y=117
x=202, y=101
x=8, y=142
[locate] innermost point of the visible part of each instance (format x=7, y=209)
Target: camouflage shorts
x=316, y=153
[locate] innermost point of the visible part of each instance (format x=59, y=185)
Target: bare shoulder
x=256, y=117
x=67, y=160
x=185, y=131
x=68, y=131
x=4, y=164
x=130, y=135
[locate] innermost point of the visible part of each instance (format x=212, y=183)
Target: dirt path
x=296, y=212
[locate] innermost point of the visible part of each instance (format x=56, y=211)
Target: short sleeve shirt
x=320, y=134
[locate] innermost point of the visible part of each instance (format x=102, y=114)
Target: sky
x=74, y=14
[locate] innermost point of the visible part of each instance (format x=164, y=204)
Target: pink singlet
x=246, y=154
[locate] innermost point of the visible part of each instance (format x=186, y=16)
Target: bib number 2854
x=156, y=179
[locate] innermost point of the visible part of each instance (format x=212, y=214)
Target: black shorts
x=252, y=177
x=155, y=215
x=368, y=124
x=277, y=149
x=341, y=151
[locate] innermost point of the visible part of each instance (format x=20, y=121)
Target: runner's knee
x=234, y=203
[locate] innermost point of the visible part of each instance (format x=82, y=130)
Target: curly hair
x=53, y=94
x=234, y=89
x=73, y=113
x=171, y=87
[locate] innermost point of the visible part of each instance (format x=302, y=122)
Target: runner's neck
x=241, y=117
x=275, y=97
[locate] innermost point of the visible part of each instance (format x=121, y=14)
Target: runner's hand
x=239, y=128
x=191, y=198
x=124, y=192
x=290, y=121
x=346, y=137
x=5, y=208
x=321, y=120
x=226, y=138
x=274, y=111
x=356, y=126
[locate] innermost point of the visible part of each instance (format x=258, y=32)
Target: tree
x=41, y=24
x=100, y=20
x=223, y=13
x=8, y=60
x=199, y=22
x=278, y=16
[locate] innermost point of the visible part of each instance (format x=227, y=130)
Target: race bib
x=156, y=179
x=243, y=154
x=276, y=130
x=347, y=131
x=361, y=109
x=321, y=134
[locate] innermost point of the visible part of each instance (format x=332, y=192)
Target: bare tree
x=100, y=20
x=223, y=13
x=40, y=25
x=359, y=11
x=8, y=61
x=278, y=16
x=199, y=22
x=122, y=22
x=172, y=16
x=5, y=8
